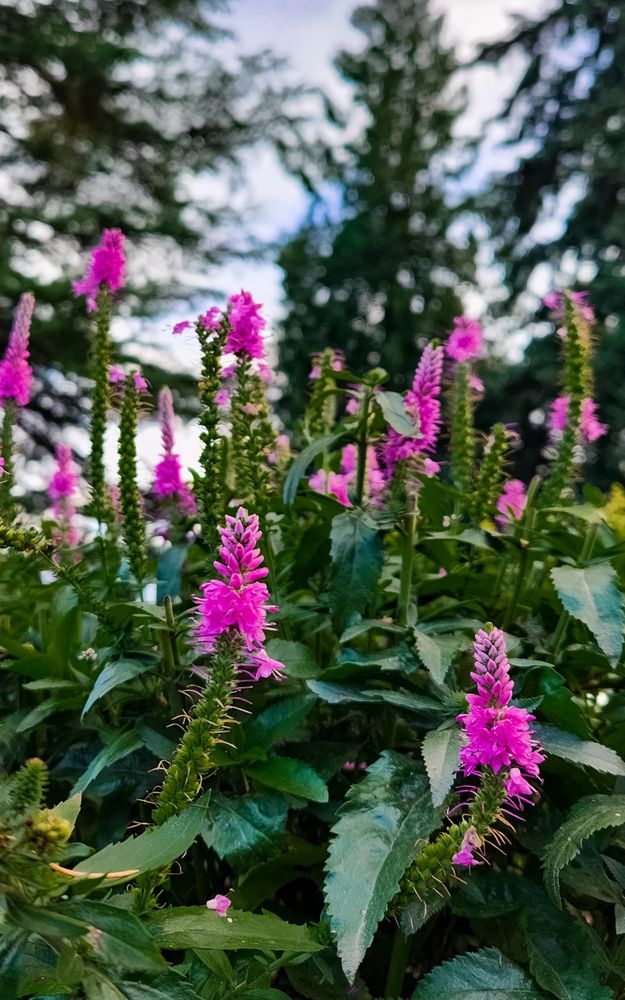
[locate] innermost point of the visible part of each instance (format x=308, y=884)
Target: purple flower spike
x=106, y=269
x=15, y=371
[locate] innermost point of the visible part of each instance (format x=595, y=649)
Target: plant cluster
x=332, y=722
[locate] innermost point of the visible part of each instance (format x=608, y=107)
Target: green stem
x=363, y=441
x=100, y=361
x=7, y=505
x=407, y=563
x=397, y=965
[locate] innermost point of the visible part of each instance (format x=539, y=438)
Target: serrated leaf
x=440, y=749
x=117, y=749
x=196, y=927
x=591, y=594
x=373, y=842
x=123, y=939
x=588, y=816
x=244, y=829
x=297, y=658
x=300, y=464
x=289, y=775
x=279, y=721
x=394, y=412
x=152, y=849
x=480, y=975
x=570, y=747
x=112, y=676
x=436, y=654
x=339, y=694
x=356, y=552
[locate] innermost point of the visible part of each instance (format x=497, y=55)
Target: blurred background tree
x=121, y=113
x=377, y=275
x=567, y=112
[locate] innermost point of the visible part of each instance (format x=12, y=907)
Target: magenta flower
x=511, y=503
x=246, y=326
x=116, y=374
x=221, y=399
x=168, y=481
x=141, y=383
x=591, y=429
x=497, y=734
x=211, y=320
x=423, y=405
x=2, y=464
x=337, y=364
x=331, y=484
x=465, y=340
x=15, y=371
x=62, y=491
x=238, y=603
x=470, y=842
x=106, y=269
x=220, y=904
x=555, y=302
x=181, y=327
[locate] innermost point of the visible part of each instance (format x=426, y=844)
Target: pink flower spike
x=511, y=503
x=116, y=374
x=1, y=467
x=422, y=404
x=246, y=327
x=591, y=428
x=465, y=340
x=211, y=320
x=220, y=904
x=141, y=384
x=181, y=327
x=516, y=785
x=221, y=399
x=106, y=269
x=15, y=371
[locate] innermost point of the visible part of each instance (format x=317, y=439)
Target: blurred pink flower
x=106, y=268
x=15, y=371
x=465, y=340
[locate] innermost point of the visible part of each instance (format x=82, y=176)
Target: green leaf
x=44, y=710
x=244, y=830
x=112, y=676
x=279, y=721
x=119, y=747
x=373, y=842
x=436, y=654
x=479, y=975
x=394, y=412
x=303, y=460
x=440, y=749
x=570, y=747
x=197, y=927
x=589, y=815
x=592, y=596
x=169, y=572
x=166, y=987
x=123, y=941
x=292, y=776
x=154, y=848
x=68, y=809
x=561, y=957
x=297, y=658
x=356, y=551
x=339, y=694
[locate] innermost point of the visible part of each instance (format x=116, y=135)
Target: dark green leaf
x=593, y=813
x=112, y=676
x=373, y=842
x=339, y=694
x=297, y=658
x=123, y=940
x=570, y=747
x=119, y=747
x=591, y=594
x=436, y=653
x=244, y=830
x=479, y=975
x=356, y=564
x=169, y=572
x=279, y=721
x=292, y=776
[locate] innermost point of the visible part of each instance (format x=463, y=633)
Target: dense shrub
x=340, y=723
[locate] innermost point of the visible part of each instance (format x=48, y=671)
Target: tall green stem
x=407, y=563
x=7, y=505
x=100, y=361
x=133, y=525
x=397, y=965
x=363, y=443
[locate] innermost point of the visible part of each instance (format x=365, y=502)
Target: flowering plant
x=337, y=713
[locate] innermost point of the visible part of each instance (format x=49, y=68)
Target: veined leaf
x=112, y=676
x=244, y=829
x=480, y=975
x=338, y=694
x=152, y=849
x=197, y=927
x=119, y=747
x=588, y=816
x=591, y=594
x=356, y=552
x=124, y=940
x=436, y=653
x=394, y=411
x=279, y=721
x=440, y=749
x=289, y=775
x=373, y=842
x=297, y=658
x=570, y=747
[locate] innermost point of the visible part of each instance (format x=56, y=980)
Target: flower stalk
x=133, y=524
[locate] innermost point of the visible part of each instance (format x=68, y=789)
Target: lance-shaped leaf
x=300, y=465
x=197, y=927
x=356, y=564
x=440, y=749
x=592, y=595
x=588, y=816
x=480, y=975
x=373, y=842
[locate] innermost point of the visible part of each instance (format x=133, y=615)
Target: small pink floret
x=220, y=904
x=465, y=340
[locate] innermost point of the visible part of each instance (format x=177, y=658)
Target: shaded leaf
x=297, y=658
x=279, y=721
x=338, y=694
x=244, y=829
x=394, y=412
x=589, y=815
x=372, y=844
x=479, y=975
x=119, y=747
x=289, y=775
x=300, y=464
x=570, y=747
x=356, y=552
x=112, y=676
x=440, y=749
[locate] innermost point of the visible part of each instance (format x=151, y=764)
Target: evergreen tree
x=118, y=113
x=382, y=278
x=567, y=112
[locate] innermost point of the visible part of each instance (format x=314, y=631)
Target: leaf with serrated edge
x=567, y=746
x=197, y=927
x=591, y=594
x=373, y=842
x=588, y=816
x=440, y=749
x=480, y=975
